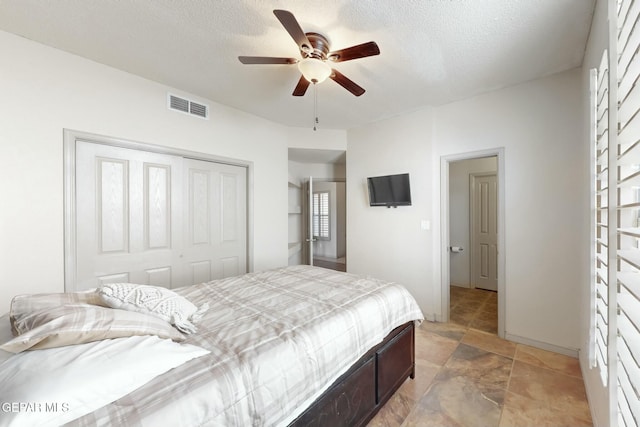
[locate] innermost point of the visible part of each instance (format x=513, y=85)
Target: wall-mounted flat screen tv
x=389, y=190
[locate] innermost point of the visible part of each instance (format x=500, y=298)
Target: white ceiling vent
x=184, y=105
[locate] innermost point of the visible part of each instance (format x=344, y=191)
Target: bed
x=292, y=346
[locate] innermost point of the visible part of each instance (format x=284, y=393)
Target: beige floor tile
x=434, y=348
x=489, y=342
x=394, y=412
x=461, y=315
x=524, y=412
x=477, y=365
x=490, y=305
x=551, y=388
x=414, y=389
x=469, y=304
x=457, y=402
x=489, y=326
x=486, y=316
x=447, y=330
x=547, y=359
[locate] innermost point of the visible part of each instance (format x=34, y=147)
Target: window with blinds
x=628, y=212
x=321, y=216
x=600, y=129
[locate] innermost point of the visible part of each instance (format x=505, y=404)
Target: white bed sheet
x=53, y=386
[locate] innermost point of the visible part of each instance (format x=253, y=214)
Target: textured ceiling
x=432, y=51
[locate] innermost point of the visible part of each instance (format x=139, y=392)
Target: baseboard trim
x=460, y=285
x=542, y=345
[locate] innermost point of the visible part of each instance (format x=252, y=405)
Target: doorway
x=317, y=213
x=472, y=219
x=326, y=225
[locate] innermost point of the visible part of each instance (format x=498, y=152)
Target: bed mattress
x=277, y=340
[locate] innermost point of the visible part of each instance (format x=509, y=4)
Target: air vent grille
x=183, y=105
x=198, y=109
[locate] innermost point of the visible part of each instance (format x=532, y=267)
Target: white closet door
x=485, y=229
x=126, y=218
x=157, y=219
x=215, y=221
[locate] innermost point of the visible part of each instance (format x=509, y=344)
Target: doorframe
x=307, y=218
x=472, y=213
x=71, y=137
x=445, y=232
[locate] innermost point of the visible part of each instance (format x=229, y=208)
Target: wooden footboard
x=357, y=395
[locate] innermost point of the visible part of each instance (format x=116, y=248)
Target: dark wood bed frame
x=358, y=395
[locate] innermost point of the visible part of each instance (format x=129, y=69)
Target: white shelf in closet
x=294, y=248
x=295, y=210
x=294, y=183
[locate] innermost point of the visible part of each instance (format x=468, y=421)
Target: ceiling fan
x=316, y=56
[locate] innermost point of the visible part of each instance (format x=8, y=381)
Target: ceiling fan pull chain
x=315, y=106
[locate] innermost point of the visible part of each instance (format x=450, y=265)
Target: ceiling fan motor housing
x=319, y=47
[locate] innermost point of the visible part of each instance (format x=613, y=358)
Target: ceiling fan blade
x=354, y=52
x=266, y=60
x=301, y=87
x=346, y=83
x=290, y=24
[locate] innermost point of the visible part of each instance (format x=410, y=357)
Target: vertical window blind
x=321, y=215
x=628, y=211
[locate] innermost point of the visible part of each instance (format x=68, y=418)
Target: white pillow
x=153, y=300
x=58, y=385
x=70, y=324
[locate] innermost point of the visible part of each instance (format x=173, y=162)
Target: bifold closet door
x=215, y=224
x=157, y=219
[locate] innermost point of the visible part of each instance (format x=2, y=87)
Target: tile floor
x=475, y=308
x=466, y=377
x=331, y=264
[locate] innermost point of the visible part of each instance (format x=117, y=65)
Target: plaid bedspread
x=278, y=339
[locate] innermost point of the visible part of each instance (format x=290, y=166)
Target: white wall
x=596, y=392
x=45, y=90
x=459, y=209
x=389, y=243
x=319, y=171
x=321, y=139
x=539, y=125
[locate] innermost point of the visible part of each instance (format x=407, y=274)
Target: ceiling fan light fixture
x=314, y=70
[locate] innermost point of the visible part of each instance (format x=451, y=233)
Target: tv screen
x=389, y=190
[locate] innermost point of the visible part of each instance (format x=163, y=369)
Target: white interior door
x=126, y=221
x=485, y=231
x=156, y=219
x=215, y=221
